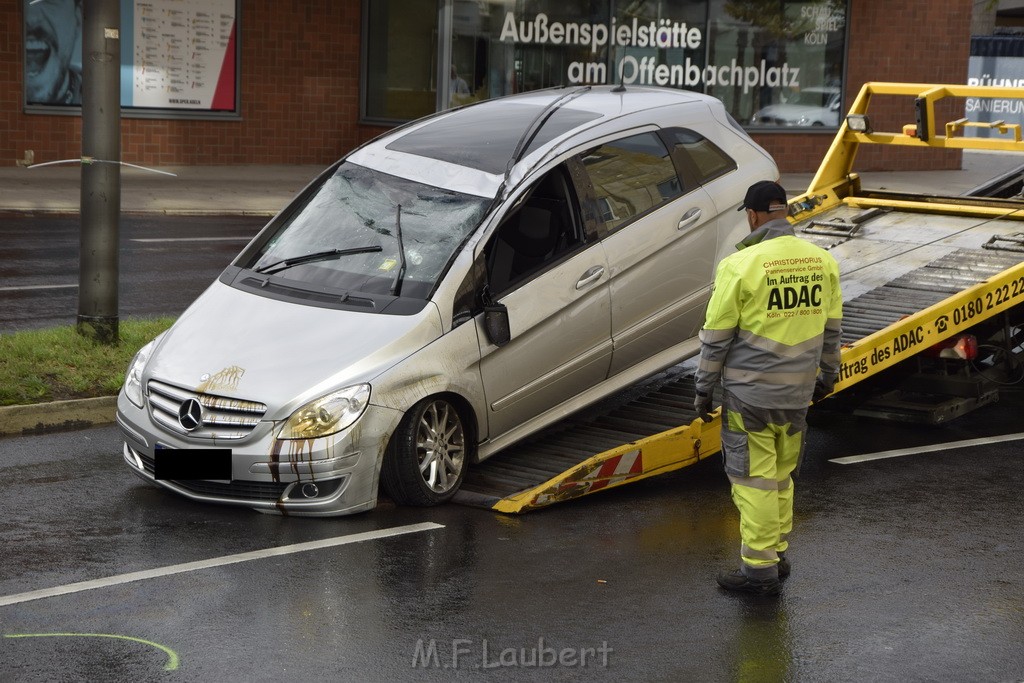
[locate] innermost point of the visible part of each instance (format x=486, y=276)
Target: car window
x=542, y=229
x=699, y=159
x=367, y=231
x=630, y=177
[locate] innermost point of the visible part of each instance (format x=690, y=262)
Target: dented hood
x=240, y=345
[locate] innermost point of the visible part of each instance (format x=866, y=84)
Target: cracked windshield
x=371, y=232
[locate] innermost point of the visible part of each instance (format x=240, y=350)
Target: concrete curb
x=40, y=418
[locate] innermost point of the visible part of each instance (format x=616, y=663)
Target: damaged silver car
x=440, y=293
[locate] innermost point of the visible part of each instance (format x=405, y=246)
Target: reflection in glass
x=631, y=176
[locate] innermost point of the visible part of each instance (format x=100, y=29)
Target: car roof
x=482, y=138
x=486, y=137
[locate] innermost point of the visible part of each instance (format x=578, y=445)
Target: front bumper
x=335, y=475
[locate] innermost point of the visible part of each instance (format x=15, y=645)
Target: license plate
x=192, y=463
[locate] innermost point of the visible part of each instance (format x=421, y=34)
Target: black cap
x=764, y=195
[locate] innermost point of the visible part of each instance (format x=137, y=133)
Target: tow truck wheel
x=426, y=458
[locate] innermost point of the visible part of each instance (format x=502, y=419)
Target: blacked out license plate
x=192, y=463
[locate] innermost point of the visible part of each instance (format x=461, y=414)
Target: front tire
x=426, y=459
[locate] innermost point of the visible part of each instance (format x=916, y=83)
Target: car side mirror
x=496, y=323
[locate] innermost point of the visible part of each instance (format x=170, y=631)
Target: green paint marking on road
x=172, y=656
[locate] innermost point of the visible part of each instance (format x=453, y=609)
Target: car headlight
x=133, y=378
x=327, y=415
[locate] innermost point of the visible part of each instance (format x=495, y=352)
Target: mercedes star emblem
x=190, y=415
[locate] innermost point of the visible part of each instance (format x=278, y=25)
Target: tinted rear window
x=484, y=137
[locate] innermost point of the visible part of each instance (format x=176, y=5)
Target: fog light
x=315, y=493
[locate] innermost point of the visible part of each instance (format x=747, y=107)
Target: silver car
x=440, y=293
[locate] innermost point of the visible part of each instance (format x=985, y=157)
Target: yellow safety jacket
x=773, y=320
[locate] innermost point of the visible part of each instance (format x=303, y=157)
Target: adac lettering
x=786, y=298
x=907, y=340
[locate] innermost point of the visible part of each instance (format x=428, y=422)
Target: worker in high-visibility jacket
x=772, y=323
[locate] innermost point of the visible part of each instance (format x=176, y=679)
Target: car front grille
x=222, y=417
x=246, y=490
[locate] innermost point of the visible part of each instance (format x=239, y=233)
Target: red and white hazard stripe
x=616, y=470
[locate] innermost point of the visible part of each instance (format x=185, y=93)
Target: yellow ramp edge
x=647, y=457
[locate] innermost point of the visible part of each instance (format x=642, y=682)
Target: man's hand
x=702, y=404
x=822, y=387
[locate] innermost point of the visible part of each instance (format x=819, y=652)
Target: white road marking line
x=191, y=239
x=853, y=459
x=216, y=562
x=24, y=287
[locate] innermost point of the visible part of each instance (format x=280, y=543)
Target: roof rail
x=538, y=123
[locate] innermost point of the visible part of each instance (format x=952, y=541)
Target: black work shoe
x=783, y=567
x=736, y=580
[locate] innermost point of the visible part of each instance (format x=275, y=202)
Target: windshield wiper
x=330, y=255
x=396, y=286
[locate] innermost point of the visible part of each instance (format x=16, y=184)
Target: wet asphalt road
x=165, y=263
x=904, y=569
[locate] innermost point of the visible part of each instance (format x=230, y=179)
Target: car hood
x=239, y=345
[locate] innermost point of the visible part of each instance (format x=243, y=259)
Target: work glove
x=702, y=404
x=823, y=386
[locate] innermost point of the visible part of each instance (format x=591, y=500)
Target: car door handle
x=689, y=218
x=590, y=277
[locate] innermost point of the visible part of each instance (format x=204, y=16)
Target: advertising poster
x=175, y=54
x=999, y=71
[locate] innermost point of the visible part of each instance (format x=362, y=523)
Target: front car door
x=551, y=273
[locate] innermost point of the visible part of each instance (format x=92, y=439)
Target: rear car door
x=660, y=232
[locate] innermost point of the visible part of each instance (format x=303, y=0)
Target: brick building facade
x=300, y=66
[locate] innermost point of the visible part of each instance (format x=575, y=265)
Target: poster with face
x=53, y=52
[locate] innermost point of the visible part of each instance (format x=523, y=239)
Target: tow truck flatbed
x=915, y=270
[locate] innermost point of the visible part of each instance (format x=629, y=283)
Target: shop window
x=631, y=176
x=774, y=64
x=778, y=65
x=400, y=60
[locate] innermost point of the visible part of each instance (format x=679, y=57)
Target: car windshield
x=351, y=232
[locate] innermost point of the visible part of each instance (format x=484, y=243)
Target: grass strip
x=37, y=366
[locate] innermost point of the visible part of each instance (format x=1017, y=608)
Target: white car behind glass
x=809, y=107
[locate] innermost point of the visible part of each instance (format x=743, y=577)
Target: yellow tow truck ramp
x=916, y=269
